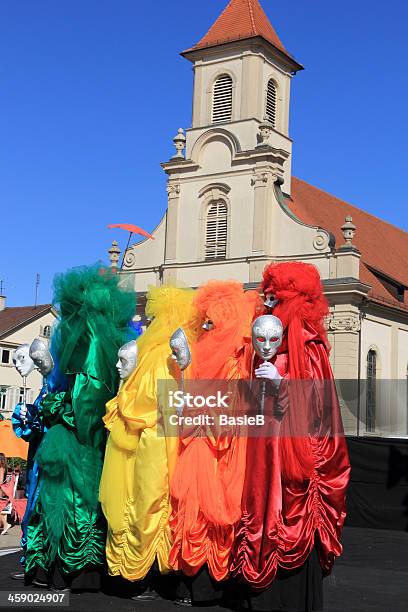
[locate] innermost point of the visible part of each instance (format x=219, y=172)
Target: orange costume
x=207, y=485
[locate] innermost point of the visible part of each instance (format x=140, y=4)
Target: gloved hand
x=269, y=371
x=23, y=412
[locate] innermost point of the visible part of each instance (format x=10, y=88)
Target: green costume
x=66, y=534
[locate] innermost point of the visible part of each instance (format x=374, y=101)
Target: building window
x=3, y=398
x=371, y=390
x=222, y=99
x=216, y=231
x=271, y=98
x=47, y=331
x=5, y=356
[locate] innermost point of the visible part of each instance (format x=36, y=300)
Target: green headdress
x=94, y=315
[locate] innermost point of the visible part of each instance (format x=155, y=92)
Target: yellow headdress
x=169, y=308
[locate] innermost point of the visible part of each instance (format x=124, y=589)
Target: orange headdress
x=231, y=311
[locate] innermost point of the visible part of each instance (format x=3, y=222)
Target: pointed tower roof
x=241, y=19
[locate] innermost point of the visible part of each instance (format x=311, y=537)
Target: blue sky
x=93, y=91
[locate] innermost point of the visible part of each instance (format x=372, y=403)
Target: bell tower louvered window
x=271, y=98
x=216, y=231
x=222, y=99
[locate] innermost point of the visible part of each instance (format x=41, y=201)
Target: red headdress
x=298, y=288
x=301, y=307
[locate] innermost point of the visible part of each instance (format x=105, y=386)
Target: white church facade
x=234, y=206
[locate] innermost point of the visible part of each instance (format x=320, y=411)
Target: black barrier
x=377, y=496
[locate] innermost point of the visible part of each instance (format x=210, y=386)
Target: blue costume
x=32, y=430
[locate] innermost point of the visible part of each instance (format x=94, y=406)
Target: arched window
x=222, y=99
x=271, y=97
x=216, y=228
x=371, y=390
x=47, y=331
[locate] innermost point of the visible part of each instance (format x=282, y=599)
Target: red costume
x=208, y=481
x=296, y=502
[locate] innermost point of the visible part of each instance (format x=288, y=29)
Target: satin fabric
x=208, y=482
x=140, y=457
x=66, y=531
x=139, y=460
x=282, y=520
x=67, y=524
x=31, y=429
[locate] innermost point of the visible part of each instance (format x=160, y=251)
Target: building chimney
x=2, y=297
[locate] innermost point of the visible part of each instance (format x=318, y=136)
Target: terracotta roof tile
x=383, y=246
x=241, y=19
x=13, y=317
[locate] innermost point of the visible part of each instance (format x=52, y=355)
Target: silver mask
x=180, y=349
x=40, y=354
x=267, y=332
x=22, y=360
x=270, y=301
x=208, y=325
x=127, y=361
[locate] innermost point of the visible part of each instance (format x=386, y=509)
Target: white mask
x=267, y=332
x=208, y=325
x=127, y=361
x=180, y=350
x=22, y=360
x=270, y=301
x=41, y=356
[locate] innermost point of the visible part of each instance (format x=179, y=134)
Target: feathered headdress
x=94, y=315
x=169, y=308
x=231, y=311
x=298, y=288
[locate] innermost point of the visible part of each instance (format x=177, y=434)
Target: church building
x=234, y=206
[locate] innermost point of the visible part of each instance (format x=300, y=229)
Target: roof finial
x=114, y=254
x=349, y=231
x=180, y=144
x=265, y=131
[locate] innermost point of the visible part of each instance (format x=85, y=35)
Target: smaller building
x=20, y=325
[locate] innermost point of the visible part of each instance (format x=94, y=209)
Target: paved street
x=10, y=541
x=372, y=575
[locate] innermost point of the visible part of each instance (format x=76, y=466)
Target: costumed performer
x=66, y=532
x=28, y=421
x=282, y=553
x=139, y=459
x=207, y=485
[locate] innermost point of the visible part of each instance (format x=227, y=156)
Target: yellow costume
x=139, y=462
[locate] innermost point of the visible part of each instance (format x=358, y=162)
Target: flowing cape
x=67, y=526
x=283, y=519
x=207, y=485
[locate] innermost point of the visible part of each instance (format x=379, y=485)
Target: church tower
x=242, y=76
x=226, y=215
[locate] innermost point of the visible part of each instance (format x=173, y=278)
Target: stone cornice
x=344, y=322
x=266, y=154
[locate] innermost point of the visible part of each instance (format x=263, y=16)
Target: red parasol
x=132, y=229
